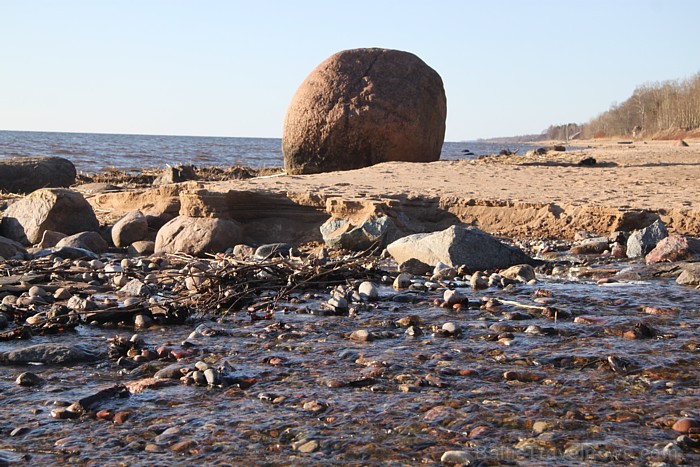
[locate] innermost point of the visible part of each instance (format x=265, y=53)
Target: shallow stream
x=512, y=385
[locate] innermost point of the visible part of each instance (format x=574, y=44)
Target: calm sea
x=92, y=152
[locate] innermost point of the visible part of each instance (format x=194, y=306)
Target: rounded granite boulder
x=361, y=107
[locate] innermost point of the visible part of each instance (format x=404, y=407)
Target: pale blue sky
x=230, y=68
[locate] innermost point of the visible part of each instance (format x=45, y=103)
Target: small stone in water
x=361, y=335
x=402, y=281
x=368, y=291
x=456, y=458
x=142, y=321
x=28, y=379
x=453, y=297
x=683, y=425
x=211, y=376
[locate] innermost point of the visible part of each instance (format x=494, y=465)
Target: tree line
x=655, y=110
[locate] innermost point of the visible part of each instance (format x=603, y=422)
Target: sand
x=533, y=196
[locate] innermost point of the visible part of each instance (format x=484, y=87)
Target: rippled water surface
x=91, y=152
x=570, y=391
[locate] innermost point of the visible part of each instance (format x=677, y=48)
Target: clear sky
x=230, y=68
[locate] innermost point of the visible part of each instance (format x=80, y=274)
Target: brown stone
x=683, y=425
x=365, y=106
x=197, y=236
x=674, y=248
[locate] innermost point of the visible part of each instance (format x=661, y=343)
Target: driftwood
x=187, y=286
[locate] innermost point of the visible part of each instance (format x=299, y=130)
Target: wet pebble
x=684, y=425
x=453, y=297
x=142, y=321
x=28, y=379
x=368, y=291
x=457, y=458
x=402, y=281
x=361, y=335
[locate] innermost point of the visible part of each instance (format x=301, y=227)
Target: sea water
x=92, y=152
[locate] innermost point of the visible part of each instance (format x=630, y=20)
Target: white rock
x=457, y=457
x=368, y=291
x=453, y=296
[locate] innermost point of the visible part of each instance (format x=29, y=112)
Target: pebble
x=361, y=335
x=684, y=425
x=479, y=282
x=453, y=297
x=402, y=281
x=28, y=379
x=339, y=304
x=36, y=291
x=451, y=329
x=368, y=291
x=308, y=446
x=457, y=458
x=62, y=293
x=212, y=376
x=142, y=321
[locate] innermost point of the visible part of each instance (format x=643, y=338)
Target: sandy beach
x=527, y=196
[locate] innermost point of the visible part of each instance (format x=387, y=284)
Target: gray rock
x=690, y=274
x=362, y=107
x=180, y=173
x=342, y=234
x=54, y=209
x=130, y=228
x=643, y=241
x=273, y=249
x=197, y=236
x=415, y=267
x=457, y=246
x=457, y=458
x=173, y=371
x=135, y=288
x=50, y=353
x=10, y=248
x=50, y=238
x=26, y=174
x=368, y=291
x=28, y=379
x=453, y=297
x=65, y=252
x=91, y=241
x=142, y=248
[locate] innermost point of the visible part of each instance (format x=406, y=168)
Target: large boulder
x=26, y=174
x=198, y=235
x=456, y=246
x=643, y=241
x=674, y=248
x=365, y=106
x=10, y=248
x=56, y=209
x=132, y=227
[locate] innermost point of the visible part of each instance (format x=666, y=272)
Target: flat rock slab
x=50, y=353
